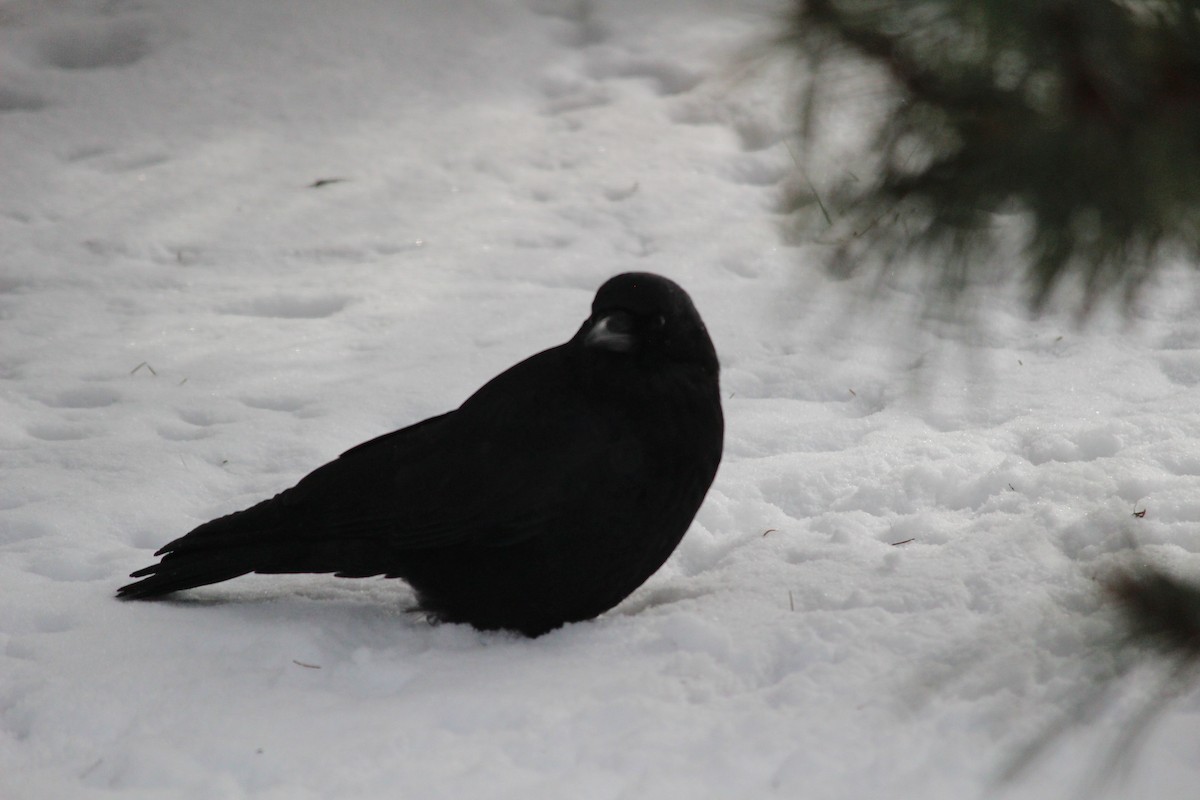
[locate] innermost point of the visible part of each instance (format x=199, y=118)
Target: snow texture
x=237, y=238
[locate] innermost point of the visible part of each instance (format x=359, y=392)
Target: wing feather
x=503, y=467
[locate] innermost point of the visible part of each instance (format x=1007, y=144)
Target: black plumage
x=547, y=497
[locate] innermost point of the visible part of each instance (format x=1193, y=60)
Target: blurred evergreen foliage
x=1081, y=118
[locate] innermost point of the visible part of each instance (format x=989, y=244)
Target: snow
x=890, y=590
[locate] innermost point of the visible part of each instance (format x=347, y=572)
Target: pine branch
x=1081, y=118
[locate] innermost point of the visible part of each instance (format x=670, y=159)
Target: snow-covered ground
x=237, y=238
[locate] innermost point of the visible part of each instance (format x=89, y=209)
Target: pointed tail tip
x=134, y=591
x=161, y=579
x=150, y=586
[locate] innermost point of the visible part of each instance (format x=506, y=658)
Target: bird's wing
x=523, y=449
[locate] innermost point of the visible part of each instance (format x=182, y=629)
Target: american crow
x=547, y=497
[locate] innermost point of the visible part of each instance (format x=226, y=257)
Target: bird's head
x=641, y=315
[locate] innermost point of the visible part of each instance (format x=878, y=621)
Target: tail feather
x=246, y=541
x=269, y=538
x=174, y=575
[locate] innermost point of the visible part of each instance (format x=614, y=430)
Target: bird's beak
x=612, y=332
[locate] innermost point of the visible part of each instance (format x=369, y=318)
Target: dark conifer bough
x=547, y=497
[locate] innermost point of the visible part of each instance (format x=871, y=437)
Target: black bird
x=547, y=497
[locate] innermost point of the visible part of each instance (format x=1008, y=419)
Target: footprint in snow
x=58, y=433
x=666, y=78
x=84, y=45
x=174, y=433
x=204, y=417
x=565, y=93
x=287, y=404
x=18, y=83
x=578, y=24
x=83, y=397
x=13, y=98
x=1181, y=367
x=283, y=306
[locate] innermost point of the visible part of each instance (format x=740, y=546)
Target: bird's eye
x=660, y=322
